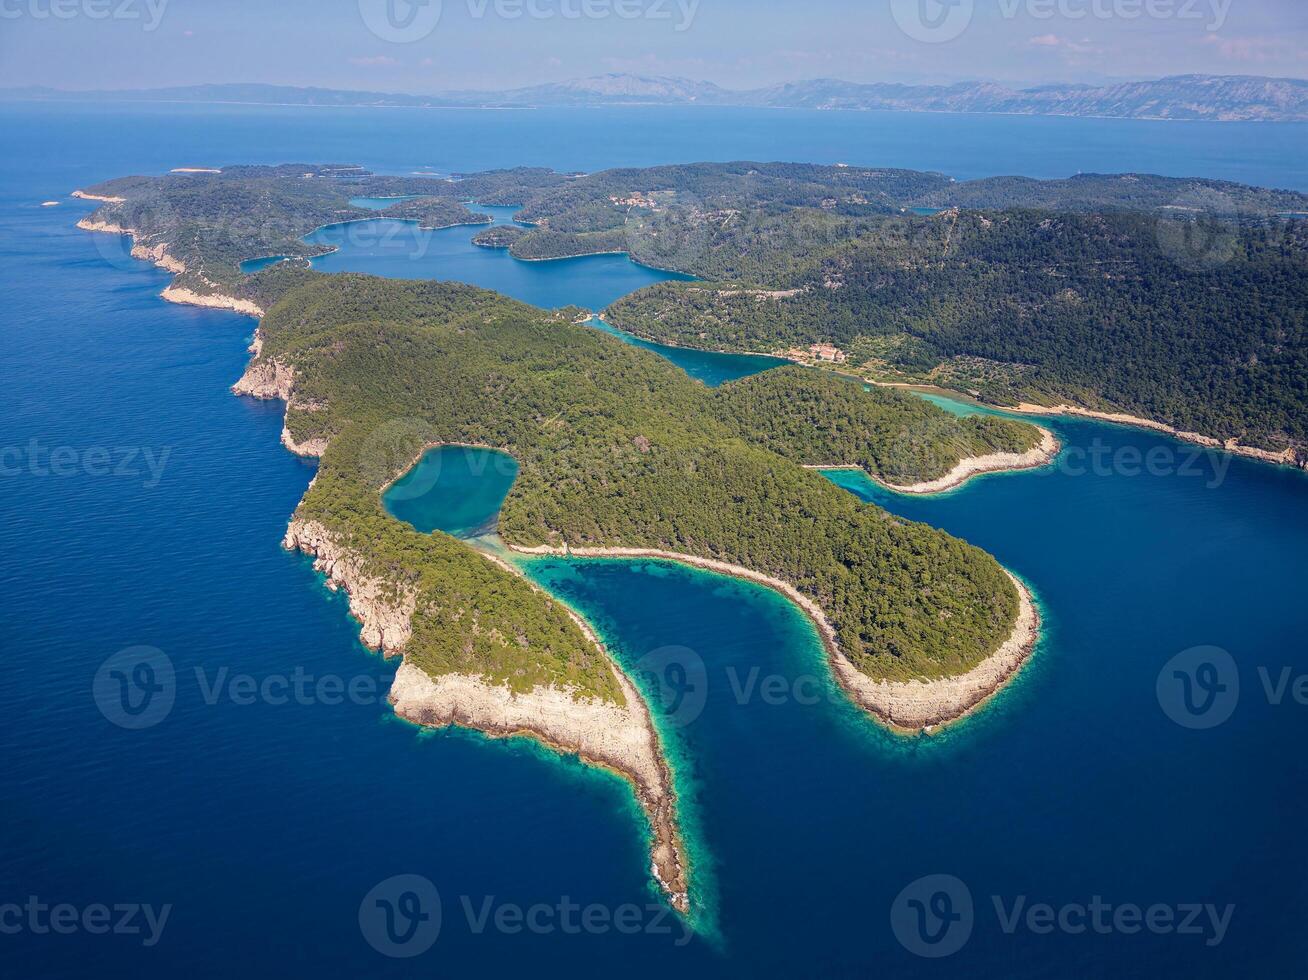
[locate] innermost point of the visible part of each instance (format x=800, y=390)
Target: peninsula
x=619, y=452
x=1179, y=304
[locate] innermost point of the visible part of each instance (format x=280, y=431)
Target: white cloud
x=375, y=61
x=1256, y=50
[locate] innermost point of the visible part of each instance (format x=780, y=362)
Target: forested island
x=619, y=451
x=1175, y=300
x=622, y=453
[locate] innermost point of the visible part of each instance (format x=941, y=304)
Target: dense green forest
x=500, y=236
x=818, y=418
x=713, y=220
x=434, y=212
x=1200, y=324
x=619, y=448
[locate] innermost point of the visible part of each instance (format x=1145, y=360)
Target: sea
x=1132, y=806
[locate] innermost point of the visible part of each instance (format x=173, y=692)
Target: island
x=620, y=453
x=1176, y=304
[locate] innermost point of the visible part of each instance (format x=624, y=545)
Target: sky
x=436, y=45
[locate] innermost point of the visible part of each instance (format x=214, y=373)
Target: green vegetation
x=434, y=212
x=1195, y=322
x=500, y=236
x=820, y=419
x=1114, y=192
x=619, y=448
x=213, y=222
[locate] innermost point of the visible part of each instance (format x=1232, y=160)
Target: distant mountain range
x=1220, y=98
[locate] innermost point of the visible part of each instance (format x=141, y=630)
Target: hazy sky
x=443, y=44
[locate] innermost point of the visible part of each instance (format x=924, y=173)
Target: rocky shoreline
x=965, y=469
x=158, y=254
x=620, y=738
x=906, y=706
x=1287, y=457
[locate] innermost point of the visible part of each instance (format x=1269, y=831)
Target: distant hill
x=1221, y=98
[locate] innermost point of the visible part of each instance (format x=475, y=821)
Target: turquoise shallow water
x=455, y=489
x=265, y=824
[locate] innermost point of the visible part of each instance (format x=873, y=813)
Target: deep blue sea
x=141, y=504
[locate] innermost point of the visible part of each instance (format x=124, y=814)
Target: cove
x=251, y=266
x=404, y=250
x=711, y=367
x=455, y=489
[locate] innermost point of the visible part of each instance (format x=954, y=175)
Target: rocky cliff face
x=266, y=378
x=617, y=737
x=383, y=610
x=159, y=255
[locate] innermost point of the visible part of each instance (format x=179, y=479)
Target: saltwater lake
x=142, y=504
